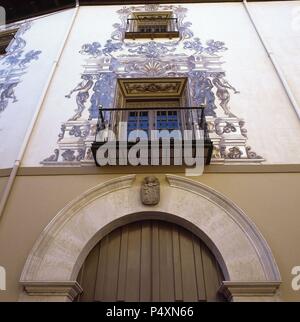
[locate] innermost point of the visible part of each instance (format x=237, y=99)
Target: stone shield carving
x=150, y=191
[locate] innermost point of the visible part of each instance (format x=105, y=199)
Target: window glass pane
x=167, y=120
x=138, y=120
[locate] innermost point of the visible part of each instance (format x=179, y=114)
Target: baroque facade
x=200, y=61
x=72, y=229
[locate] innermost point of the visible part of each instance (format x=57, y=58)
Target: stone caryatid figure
x=102, y=93
x=82, y=96
x=150, y=191
x=7, y=93
x=204, y=95
x=223, y=94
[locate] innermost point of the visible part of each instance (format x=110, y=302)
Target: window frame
x=153, y=120
x=7, y=36
x=144, y=20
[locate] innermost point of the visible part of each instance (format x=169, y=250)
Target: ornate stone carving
x=228, y=128
x=151, y=88
x=252, y=154
x=68, y=155
x=243, y=130
x=234, y=153
x=89, y=154
x=224, y=127
x=148, y=87
x=150, y=191
x=53, y=157
x=216, y=154
x=77, y=131
x=81, y=154
x=62, y=133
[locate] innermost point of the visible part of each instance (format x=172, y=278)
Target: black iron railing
x=188, y=118
x=154, y=19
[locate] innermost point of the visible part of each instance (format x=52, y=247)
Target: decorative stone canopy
x=152, y=87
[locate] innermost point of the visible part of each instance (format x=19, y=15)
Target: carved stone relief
x=150, y=191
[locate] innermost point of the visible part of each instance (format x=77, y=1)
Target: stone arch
x=247, y=262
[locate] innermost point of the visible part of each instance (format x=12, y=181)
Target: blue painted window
x=150, y=120
x=167, y=120
x=138, y=120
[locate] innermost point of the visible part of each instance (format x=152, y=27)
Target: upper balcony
x=152, y=25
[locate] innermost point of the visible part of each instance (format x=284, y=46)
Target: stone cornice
x=68, y=289
x=232, y=290
x=75, y=170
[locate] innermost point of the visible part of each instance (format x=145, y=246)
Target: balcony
x=151, y=27
x=182, y=128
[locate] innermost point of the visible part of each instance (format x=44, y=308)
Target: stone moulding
x=255, y=237
x=69, y=289
x=242, y=252
x=42, y=244
x=239, y=291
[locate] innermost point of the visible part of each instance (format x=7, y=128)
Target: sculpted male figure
x=222, y=93
x=82, y=96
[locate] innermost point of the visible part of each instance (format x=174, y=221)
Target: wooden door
x=150, y=261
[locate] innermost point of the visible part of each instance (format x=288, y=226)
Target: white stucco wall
x=273, y=128
x=57, y=108
x=45, y=35
x=280, y=25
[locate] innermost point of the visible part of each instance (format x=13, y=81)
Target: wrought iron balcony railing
x=152, y=27
x=182, y=126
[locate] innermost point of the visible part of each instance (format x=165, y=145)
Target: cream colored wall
x=270, y=200
x=28, y=212
x=3, y=181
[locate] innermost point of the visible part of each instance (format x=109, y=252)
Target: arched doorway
x=55, y=260
x=150, y=260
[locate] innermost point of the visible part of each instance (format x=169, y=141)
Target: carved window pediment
x=152, y=87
